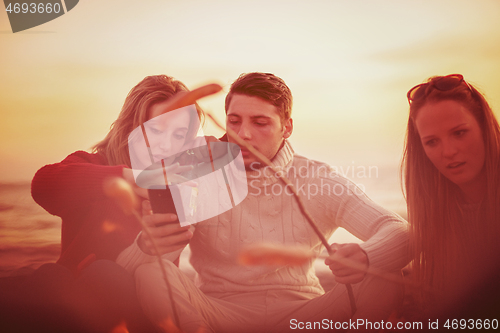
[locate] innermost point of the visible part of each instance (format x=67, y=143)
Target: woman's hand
x=354, y=268
x=200, y=141
x=155, y=175
x=151, y=177
x=128, y=175
x=168, y=235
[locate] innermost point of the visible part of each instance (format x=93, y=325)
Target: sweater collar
x=265, y=176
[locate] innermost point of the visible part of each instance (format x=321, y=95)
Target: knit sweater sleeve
x=72, y=184
x=385, y=234
x=132, y=257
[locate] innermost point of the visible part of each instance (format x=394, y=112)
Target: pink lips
x=245, y=153
x=159, y=157
x=455, y=165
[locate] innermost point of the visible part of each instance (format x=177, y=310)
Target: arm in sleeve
x=385, y=234
x=72, y=184
x=132, y=257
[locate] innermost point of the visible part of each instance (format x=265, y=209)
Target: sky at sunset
x=349, y=65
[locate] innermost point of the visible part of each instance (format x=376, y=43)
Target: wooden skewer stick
x=162, y=267
x=347, y=262
x=287, y=182
x=122, y=193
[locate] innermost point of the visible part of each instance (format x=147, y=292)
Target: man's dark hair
x=266, y=86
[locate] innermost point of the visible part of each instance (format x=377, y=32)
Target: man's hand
x=167, y=233
x=349, y=253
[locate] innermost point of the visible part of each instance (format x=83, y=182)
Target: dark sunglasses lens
x=448, y=82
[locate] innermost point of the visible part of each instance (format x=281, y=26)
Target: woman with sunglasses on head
x=96, y=292
x=451, y=176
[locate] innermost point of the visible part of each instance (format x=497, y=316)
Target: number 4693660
x=33, y=8
x=471, y=324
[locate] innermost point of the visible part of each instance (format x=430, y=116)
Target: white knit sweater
x=270, y=214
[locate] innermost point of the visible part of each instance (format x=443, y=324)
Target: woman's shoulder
x=81, y=156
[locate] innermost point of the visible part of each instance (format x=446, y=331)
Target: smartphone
x=162, y=201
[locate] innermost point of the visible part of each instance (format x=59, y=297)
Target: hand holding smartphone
x=162, y=201
x=167, y=233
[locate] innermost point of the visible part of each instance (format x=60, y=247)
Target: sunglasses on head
x=444, y=83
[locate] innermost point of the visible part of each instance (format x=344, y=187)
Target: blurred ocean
x=30, y=237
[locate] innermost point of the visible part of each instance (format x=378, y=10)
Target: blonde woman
x=451, y=176
x=94, y=228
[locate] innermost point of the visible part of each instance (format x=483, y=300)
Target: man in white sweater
x=228, y=297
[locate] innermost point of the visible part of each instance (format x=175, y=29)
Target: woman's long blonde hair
x=441, y=227
x=152, y=90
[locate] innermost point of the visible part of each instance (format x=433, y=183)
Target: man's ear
x=288, y=128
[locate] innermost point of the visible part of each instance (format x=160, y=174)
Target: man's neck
x=254, y=166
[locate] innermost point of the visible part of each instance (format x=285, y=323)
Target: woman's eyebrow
x=456, y=127
x=427, y=137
